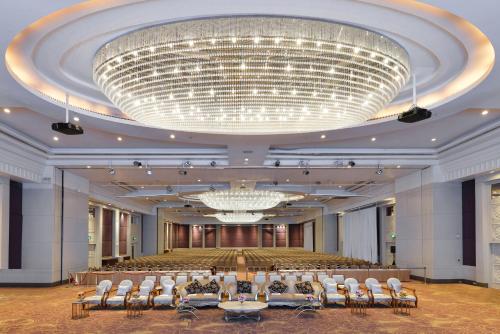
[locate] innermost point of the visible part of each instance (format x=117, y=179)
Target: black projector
x=415, y=114
x=67, y=128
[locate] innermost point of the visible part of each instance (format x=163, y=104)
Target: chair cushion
x=166, y=288
x=381, y=297
x=287, y=297
x=335, y=297
x=304, y=288
x=200, y=297
x=194, y=287
x=115, y=300
x=278, y=287
x=354, y=297
x=377, y=289
x=408, y=297
x=99, y=290
x=122, y=290
x=331, y=288
x=93, y=299
x=163, y=299
x=211, y=287
x=244, y=287
x=353, y=287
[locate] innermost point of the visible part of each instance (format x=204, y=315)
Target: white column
x=98, y=236
x=116, y=233
x=4, y=221
x=129, y=235
x=483, y=232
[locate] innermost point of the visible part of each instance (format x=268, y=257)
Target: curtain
x=360, y=234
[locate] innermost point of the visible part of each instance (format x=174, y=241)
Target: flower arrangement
x=359, y=293
x=135, y=296
x=184, y=300
x=81, y=296
x=403, y=294
x=241, y=298
x=310, y=298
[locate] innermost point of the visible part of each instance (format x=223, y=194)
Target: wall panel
x=197, y=236
x=239, y=236
x=280, y=236
x=296, y=235
x=210, y=236
x=107, y=232
x=267, y=235
x=123, y=233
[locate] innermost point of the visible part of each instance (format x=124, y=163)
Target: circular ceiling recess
x=251, y=75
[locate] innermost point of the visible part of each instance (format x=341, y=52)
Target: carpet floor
x=443, y=308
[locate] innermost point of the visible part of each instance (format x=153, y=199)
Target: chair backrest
x=259, y=279
x=148, y=284
x=392, y=282
x=181, y=279
x=229, y=279
x=197, y=277
x=273, y=273
x=260, y=273
x=220, y=273
x=163, y=278
x=338, y=278
x=348, y=282
x=167, y=286
x=322, y=277
x=328, y=280
x=307, y=278
x=105, y=285
x=273, y=278
x=290, y=278
x=214, y=277
x=126, y=282
x=232, y=273
x=150, y=278
x=369, y=281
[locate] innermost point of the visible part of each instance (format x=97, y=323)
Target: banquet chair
x=322, y=277
x=275, y=277
x=145, y=291
x=351, y=285
x=396, y=288
x=122, y=294
x=376, y=292
x=340, y=280
x=181, y=279
x=307, y=278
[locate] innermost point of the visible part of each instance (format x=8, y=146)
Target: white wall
x=308, y=236
x=150, y=235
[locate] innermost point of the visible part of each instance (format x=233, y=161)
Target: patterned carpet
x=443, y=308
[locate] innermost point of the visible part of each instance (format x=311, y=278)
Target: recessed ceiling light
x=433, y=139
x=119, y=138
x=6, y=110
x=287, y=180
x=246, y=159
x=76, y=119
x=323, y=136
x=55, y=138
x=398, y=166
x=199, y=180
x=172, y=136
x=89, y=166
x=484, y=112
x=340, y=186
x=373, y=138
x=142, y=187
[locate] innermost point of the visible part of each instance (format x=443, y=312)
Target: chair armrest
x=219, y=294
x=85, y=292
x=410, y=289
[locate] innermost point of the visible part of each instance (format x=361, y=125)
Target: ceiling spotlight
x=398, y=166
x=76, y=119
x=149, y=171
x=187, y=164
x=287, y=180
x=169, y=189
x=183, y=172
x=137, y=164
x=6, y=110
x=275, y=183
x=88, y=166
x=351, y=164
x=484, y=112
x=379, y=170
x=433, y=139
x=111, y=171
x=211, y=188
x=55, y=138
x=172, y=136
x=213, y=163
x=199, y=180
x=306, y=172
x=119, y=138
x=323, y=136
x=277, y=163
x=373, y=138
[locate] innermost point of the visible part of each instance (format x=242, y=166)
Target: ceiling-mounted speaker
x=67, y=128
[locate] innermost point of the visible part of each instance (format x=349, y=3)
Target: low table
x=309, y=306
x=402, y=306
x=358, y=306
x=246, y=309
x=79, y=309
x=186, y=309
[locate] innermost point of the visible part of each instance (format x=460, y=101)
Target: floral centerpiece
x=241, y=298
x=359, y=293
x=309, y=298
x=184, y=300
x=135, y=296
x=403, y=294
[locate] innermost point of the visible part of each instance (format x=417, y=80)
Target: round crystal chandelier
x=251, y=75
x=238, y=217
x=242, y=199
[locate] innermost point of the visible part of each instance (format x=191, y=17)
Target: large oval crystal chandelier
x=238, y=217
x=251, y=75
x=242, y=199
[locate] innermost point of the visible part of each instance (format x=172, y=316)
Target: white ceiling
x=408, y=145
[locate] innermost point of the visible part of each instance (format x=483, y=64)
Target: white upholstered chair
x=151, y=278
x=274, y=277
x=332, y=293
x=291, y=278
x=145, y=292
x=229, y=279
x=214, y=277
x=259, y=279
x=179, y=279
x=307, y=278
x=122, y=294
x=340, y=280
x=396, y=288
x=376, y=292
x=351, y=286
x=321, y=277
x=197, y=277
x=166, y=296
x=100, y=295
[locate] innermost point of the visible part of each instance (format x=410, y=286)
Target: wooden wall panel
x=197, y=236
x=15, y=225
x=296, y=235
x=469, y=223
x=210, y=236
x=280, y=237
x=239, y=236
x=267, y=235
x=107, y=232
x=181, y=236
x=123, y=233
